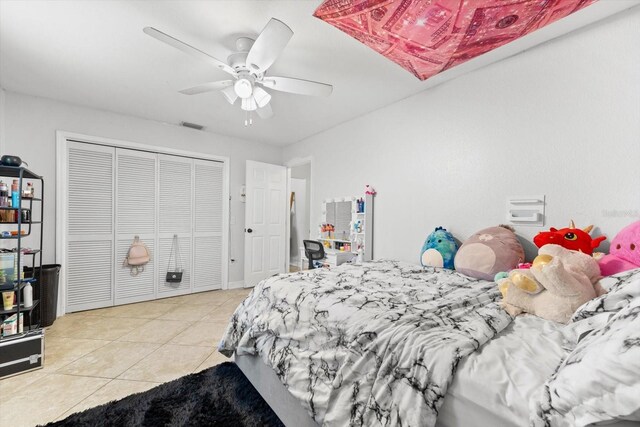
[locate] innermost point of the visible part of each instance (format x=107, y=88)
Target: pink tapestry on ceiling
x=427, y=37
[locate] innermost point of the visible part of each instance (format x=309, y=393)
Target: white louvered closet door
x=175, y=216
x=90, y=210
x=208, y=219
x=136, y=204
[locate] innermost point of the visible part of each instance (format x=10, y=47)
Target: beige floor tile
x=111, y=360
x=157, y=331
x=236, y=299
x=187, y=312
x=65, y=322
x=80, y=344
x=169, y=300
x=220, y=314
x=114, y=390
x=143, y=310
x=97, y=327
x=46, y=399
x=167, y=363
x=214, y=359
x=10, y=386
x=60, y=351
x=211, y=298
x=241, y=291
x=203, y=334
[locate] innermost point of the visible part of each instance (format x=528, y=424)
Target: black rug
x=218, y=396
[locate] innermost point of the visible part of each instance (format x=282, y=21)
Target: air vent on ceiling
x=192, y=125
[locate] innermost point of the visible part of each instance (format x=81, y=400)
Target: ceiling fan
x=248, y=67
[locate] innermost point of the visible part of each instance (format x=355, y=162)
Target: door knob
x=249, y=230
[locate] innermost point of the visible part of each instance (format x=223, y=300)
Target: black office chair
x=314, y=251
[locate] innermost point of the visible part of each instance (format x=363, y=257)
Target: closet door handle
x=249, y=230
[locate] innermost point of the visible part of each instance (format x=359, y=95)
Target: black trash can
x=47, y=279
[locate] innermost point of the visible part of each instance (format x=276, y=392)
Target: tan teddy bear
x=559, y=281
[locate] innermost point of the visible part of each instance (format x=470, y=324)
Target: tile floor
x=96, y=356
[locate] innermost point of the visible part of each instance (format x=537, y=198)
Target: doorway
x=299, y=204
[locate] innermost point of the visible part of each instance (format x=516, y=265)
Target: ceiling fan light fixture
x=261, y=96
x=243, y=88
x=230, y=94
x=249, y=104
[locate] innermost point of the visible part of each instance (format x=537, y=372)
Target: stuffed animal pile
x=563, y=276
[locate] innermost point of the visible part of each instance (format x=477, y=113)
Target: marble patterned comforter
x=376, y=344
x=599, y=379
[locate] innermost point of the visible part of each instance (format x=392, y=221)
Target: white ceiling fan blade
x=207, y=87
x=265, y=112
x=268, y=46
x=188, y=49
x=299, y=86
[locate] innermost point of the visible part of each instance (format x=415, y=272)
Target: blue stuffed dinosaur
x=439, y=249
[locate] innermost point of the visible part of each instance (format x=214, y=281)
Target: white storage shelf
x=357, y=239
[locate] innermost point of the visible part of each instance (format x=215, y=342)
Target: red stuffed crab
x=571, y=238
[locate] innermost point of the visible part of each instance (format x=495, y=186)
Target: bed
x=432, y=347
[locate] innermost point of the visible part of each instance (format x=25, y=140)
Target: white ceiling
x=94, y=53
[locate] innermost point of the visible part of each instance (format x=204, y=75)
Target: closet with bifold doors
x=174, y=204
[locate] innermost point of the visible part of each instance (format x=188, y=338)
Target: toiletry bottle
x=4, y=194
x=15, y=198
x=27, y=295
x=29, y=191
x=7, y=300
x=15, y=193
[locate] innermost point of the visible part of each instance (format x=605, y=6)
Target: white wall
x=562, y=119
x=29, y=130
x=2, y=96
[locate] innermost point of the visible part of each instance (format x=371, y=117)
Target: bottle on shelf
x=7, y=300
x=15, y=199
x=4, y=195
x=15, y=193
x=27, y=295
x=28, y=193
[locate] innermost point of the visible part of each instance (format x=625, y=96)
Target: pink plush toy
x=624, y=253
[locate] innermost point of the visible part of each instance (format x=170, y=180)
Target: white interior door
x=136, y=200
x=175, y=211
x=208, y=232
x=89, y=214
x=265, y=221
